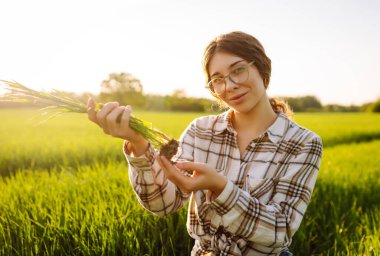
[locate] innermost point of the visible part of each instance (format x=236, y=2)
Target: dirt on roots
x=170, y=149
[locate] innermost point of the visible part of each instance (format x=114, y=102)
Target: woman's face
x=242, y=97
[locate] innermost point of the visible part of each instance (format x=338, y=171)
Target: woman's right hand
x=108, y=119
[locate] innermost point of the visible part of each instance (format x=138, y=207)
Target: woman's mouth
x=237, y=98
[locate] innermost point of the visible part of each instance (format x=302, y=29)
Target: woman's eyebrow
x=231, y=65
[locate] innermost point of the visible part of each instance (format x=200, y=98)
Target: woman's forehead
x=222, y=62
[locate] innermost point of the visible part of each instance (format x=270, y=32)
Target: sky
x=329, y=49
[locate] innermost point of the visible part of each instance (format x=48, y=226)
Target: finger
x=124, y=122
x=111, y=119
x=104, y=111
x=192, y=166
x=173, y=174
x=91, y=112
x=163, y=166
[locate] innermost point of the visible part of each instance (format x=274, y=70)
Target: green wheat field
x=64, y=189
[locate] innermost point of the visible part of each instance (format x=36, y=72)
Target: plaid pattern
x=266, y=196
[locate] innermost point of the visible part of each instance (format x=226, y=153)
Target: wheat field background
x=65, y=189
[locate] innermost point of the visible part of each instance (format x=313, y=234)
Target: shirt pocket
x=262, y=189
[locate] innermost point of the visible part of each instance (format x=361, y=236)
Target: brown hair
x=250, y=49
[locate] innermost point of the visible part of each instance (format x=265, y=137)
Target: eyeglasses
x=238, y=75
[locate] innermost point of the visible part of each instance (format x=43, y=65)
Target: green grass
x=65, y=189
x=89, y=211
x=342, y=128
x=72, y=140
x=68, y=140
x=343, y=217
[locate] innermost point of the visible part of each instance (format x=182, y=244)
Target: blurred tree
x=341, y=108
x=179, y=93
x=375, y=107
x=179, y=102
x=156, y=102
x=123, y=88
x=304, y=103
x=366, y=107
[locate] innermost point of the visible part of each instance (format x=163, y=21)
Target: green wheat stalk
x=58, y=102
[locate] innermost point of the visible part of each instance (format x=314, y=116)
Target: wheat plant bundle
x=58, y=102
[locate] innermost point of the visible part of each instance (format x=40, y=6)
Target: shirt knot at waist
x=224, y=243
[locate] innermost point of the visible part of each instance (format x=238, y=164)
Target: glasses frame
x=208, y=86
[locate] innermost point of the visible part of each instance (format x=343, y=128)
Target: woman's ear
x=265, y=81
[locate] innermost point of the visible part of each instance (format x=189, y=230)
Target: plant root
x=170, y=149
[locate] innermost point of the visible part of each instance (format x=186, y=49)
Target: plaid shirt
x=269, y=186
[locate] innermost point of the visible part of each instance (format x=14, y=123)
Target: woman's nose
x=230, y=85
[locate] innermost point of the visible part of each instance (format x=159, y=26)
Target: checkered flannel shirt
x=269, y=186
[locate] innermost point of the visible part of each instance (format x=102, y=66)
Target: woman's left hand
x=204, y=176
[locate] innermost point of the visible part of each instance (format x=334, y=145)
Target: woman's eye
x=217, y=80
x=238, y=70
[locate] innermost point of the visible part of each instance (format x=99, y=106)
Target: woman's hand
x=204, y=176
x=114, y=120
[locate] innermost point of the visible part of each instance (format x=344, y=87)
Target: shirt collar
x=275, y=132
x=278, y=129
x=224, y=123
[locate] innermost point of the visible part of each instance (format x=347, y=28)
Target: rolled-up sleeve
x=154, y=192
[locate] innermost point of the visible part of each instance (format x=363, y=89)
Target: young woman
x=254, y=169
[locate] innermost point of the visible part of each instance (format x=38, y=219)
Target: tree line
x=127, y=89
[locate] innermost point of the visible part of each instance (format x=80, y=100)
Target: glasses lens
x=239, y=74
x=216, y=85
x=210, y=87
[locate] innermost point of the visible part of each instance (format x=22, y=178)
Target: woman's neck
x=260, y=118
